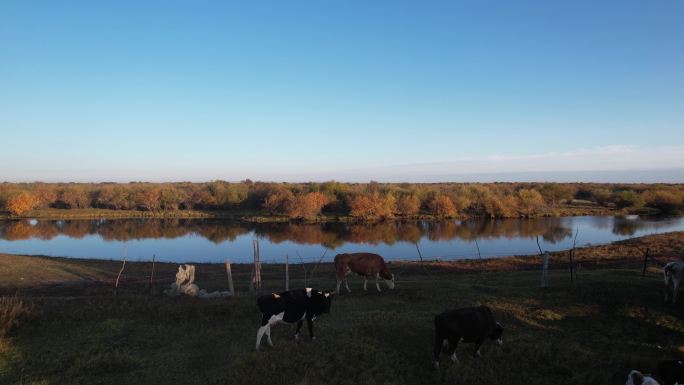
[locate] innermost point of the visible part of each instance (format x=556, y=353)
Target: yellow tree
x=21, y=203
x=442, y=206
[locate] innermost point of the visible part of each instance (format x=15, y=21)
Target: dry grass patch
x=13, y=311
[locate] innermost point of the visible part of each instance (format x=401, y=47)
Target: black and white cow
x=673, y=273
x=470, y=324
x=671, y=372
x=292, y=307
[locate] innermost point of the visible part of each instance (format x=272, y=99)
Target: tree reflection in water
x=331, y=235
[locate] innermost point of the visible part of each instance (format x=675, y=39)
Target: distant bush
x=442, y=206
x=530, y=203
x=373, y=205
x=307, y=206
x=74, y=197
x=21, y=203
x=628, y=198
x=408, y=205
x=667, y=201
x=359, y=200
x=281, y=201
x=555, y=193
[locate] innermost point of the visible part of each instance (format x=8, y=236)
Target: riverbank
x=264, y=217
x=38, y=272
x=608, y=322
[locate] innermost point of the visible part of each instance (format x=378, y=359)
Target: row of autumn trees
x=359, y=200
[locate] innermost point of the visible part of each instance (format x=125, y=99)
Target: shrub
x=21, y=203
x=308, y=206
x=628, y=198
x=373, y=205
x=408, y=205
x=12, y=311
x=555, y=193
x=74, y=197
x=147, y=199
x=667, y=201
x=442, y=206
x=530, y=201
x=281, y=201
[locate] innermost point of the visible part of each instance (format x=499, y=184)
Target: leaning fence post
x=118, y=277
x=230, y=277
x=545, y=271
x=287, y=273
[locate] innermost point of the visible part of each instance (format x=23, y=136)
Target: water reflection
x=332, y=235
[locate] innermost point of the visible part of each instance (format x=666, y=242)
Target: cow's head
x=324, y=301
x=497, y=334
x=388, y=277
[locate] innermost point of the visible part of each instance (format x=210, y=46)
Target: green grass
x=609, y=322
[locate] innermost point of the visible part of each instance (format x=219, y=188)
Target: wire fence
x=319, y=271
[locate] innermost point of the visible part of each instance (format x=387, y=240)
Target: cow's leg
x=260, y=334
x=675, y=290
x=299, y=327
x=476, y=352
x=377, y=285
x=309, y=324
x=346, y=284
x=667, y=285
x=439, y=340
x=264, y=326
x=453, y=344
x=338, y=286
x=268, y=335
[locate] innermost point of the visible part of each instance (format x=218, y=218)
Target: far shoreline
x=264, y=217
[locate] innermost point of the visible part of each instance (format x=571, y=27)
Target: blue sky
x=347, y=90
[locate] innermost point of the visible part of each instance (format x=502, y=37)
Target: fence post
x=118, y=277
x=545, y=271
x=257, y=265
x=572, y=278
x=154, y=257
x=230, y=277
x=643, y=272
x=287, y=273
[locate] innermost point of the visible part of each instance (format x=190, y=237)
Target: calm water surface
x=211, y=240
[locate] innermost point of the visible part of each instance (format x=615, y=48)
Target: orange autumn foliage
x=21, y=203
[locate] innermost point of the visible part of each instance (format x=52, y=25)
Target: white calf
x=636, y=378
x=673, y=273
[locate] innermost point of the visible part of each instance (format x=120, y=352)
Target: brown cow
x=366, y=264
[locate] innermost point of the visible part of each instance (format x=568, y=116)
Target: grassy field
x=593, y=332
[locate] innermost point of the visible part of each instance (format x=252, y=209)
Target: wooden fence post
x=231, y=288
x=572, y=278
x=545, y=271
x=118, y=277
x=287, y=273
x=257, y=265
x=154, y=257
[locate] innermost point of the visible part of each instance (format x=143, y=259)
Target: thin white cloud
x=613, y=163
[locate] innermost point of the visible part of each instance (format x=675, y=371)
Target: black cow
x=671, y=372
x=470, y=324
x=291, y=306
